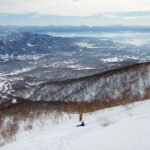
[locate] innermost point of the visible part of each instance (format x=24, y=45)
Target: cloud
x=72, y=7
x=131, y=18
x=36, y=15
x=111, y=16
x=137, y=17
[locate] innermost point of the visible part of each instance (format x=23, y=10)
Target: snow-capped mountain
x=29, y=44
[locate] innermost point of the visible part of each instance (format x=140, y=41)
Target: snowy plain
x=118, y=128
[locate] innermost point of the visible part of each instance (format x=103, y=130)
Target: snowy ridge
x=5, y=88
x=126, y=84
x=117, y=128
x=130, y=82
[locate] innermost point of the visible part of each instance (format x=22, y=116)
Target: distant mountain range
x=26, y=43
x=7, y=30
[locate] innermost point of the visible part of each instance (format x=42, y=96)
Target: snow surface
x=14, y=101
x=136, y=42
x=24, y=69
x=29, y=44
x=85, y=44
x=1, y=84
x=5, y=57
x=113, y=59
x=118, y=128
x=79, y=67
x=31, y=57
x=5, y=86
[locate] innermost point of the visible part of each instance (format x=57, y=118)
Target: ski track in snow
x=119, y=128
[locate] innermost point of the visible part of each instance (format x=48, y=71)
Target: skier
x=80, y=117
x=82, y=124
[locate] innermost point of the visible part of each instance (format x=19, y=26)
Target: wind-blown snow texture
x=118, y=128
x=126, y=83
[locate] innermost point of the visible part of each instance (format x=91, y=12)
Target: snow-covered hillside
x=5, y=90
x=9, y=88
x=117, y=128
x=132, y=82
x=122, y=85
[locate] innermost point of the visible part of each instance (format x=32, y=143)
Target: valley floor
x=118, y=128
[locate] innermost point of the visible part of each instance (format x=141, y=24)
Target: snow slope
x=119, y=128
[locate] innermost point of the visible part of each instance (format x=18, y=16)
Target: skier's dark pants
x=79, y=125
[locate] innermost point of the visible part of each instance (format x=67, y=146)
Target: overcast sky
x=74, y=12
